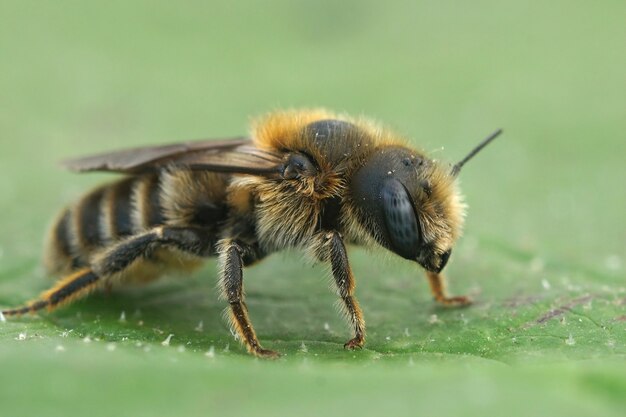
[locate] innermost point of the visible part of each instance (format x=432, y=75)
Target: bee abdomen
x=146, y=198
x=58, y=254
x=87, y=218
x=102, y=217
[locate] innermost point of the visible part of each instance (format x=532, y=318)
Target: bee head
x=410, y=204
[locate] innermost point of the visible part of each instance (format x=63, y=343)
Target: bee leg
x=76, y=285
x=231, y=258
x=438, y=288
x=115, y=260
x=345, y=285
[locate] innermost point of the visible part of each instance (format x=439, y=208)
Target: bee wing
x=244, y=159
x=230, y=155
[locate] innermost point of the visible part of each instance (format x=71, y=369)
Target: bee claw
x=266, y=353
x=356, y=343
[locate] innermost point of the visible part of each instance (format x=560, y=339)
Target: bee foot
x=266, y=353
x=356, y=343
x=459, y=301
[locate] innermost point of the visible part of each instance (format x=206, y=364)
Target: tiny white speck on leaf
x=122, y=317
x=87, y=339
x=21, y=336
x=138, y=344
x=613, y=263
x=570, y=341
x=60, y=348
x=388, y=338
x=2, y=319
x=327, y=327
x=303, y=348
x=200, y=326
x=210, y=353
x=536, y=265
x=111, y=347
x=167, y=340
x=140, y=322
x=545, y=284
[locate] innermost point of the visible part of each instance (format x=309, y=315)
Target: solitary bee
x=309, y=180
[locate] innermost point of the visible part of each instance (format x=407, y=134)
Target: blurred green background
x=544, y=247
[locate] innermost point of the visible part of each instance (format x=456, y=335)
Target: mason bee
x=308, y=180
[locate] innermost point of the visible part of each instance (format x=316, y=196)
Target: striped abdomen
x=130, y=206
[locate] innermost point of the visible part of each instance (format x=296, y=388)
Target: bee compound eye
x=400, y=219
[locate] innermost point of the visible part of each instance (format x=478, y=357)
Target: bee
x=307, y=180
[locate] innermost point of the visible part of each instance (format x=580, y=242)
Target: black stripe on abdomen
x=121, y=222
x=87, y=221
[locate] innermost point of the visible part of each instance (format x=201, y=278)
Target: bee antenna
x=457, y=167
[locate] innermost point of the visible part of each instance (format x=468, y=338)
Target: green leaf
x=543, y=254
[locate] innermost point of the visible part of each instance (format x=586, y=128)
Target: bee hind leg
x=115, y=260
x=344, y=279
x=438, y=288
x=73, y=287
x=233, y=255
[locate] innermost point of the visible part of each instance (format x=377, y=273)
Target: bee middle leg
x=234, y=254
x=344, y=279
x=438, y=288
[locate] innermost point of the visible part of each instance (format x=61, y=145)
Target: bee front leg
x=342, y=273
x=232, y=254
x=438, y=288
